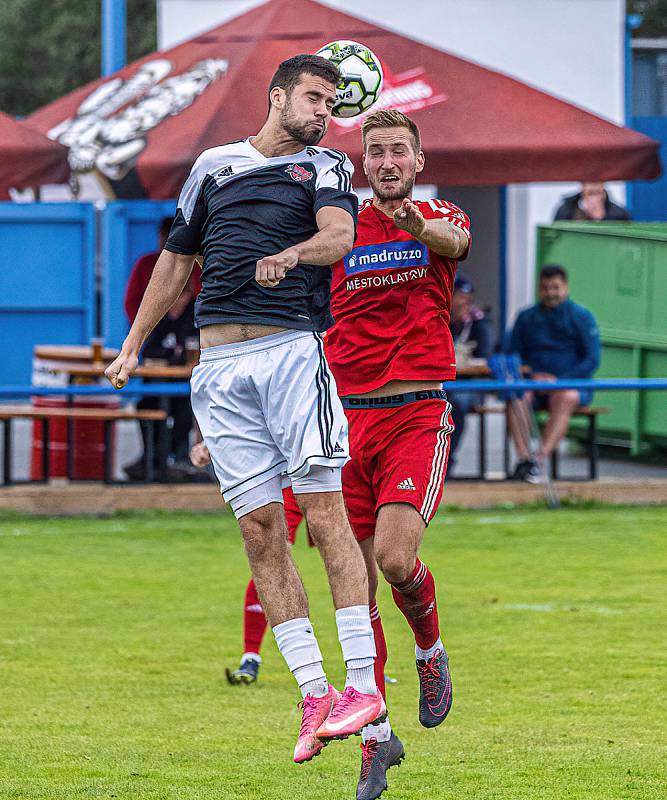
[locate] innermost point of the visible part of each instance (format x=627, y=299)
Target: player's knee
x=262, y=534
x=396, y=567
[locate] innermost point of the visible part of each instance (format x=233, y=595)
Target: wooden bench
x=590, y=413
x=146, y=418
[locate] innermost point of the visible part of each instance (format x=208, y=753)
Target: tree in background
x=50, y=47
x=654, y=13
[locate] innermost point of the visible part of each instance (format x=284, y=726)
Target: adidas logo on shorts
x=407, y=484
x=338, y=448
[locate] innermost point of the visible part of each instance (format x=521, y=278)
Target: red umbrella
x=145, y=125
x=28, y=158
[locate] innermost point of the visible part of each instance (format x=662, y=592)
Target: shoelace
x=368, y=750
x=309, y=706
x=347, y=698
x=428, y=674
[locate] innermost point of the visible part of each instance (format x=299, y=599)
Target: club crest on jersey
x=387, y=255
x=298, y=173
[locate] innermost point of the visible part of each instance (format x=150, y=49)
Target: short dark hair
x=553, y=271
x=290, y=71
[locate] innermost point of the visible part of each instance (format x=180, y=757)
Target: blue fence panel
x=129, y=229
x=47, y=284
x=649, y=198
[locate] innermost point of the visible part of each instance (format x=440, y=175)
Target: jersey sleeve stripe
x=343, y=175
x=342, y=171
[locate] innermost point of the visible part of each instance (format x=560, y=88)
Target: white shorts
x=268, y=407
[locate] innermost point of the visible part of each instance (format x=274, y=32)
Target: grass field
x=114, y=635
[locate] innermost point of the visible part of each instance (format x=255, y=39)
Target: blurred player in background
x=390, y=350
x=270, y=214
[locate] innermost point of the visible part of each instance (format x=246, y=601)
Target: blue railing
x=174, y=389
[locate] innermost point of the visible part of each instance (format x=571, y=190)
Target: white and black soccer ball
x=361, y=76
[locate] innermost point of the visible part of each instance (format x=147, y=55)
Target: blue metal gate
x=129, y=229
x=47, y=283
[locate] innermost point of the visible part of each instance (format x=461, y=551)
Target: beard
x=392, y=191
x=304, y=133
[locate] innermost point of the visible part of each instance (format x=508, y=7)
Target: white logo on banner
x=104, y=137
x=406, y=92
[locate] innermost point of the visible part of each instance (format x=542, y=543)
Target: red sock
x=254, y=621
x=380, y=647
x=416, y=599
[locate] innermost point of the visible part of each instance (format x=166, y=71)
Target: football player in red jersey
x=390, y=350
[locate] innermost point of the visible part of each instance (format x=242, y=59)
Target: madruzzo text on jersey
x=391, y=279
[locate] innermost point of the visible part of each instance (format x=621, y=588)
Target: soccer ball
x=361, y=76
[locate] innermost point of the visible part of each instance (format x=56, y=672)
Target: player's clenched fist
x=119, y=371
x=199, y=455
x=409, y=218
x=272, y=269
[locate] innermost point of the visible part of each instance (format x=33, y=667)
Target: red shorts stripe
x=440, y=458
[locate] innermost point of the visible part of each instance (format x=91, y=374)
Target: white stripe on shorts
x=439, y=463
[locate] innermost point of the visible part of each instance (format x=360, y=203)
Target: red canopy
x=144, y=126
x=27, y=158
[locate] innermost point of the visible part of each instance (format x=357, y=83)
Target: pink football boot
x=315, y=711
x=352, y=711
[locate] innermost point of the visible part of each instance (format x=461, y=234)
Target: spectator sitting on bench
x=473, y=337
x=556, y=338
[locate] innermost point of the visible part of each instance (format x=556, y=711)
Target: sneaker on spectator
x=521, y=470
x=534, y=472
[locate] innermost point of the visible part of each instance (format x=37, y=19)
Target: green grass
x=114, y=634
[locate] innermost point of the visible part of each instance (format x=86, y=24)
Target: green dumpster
x=619, y=272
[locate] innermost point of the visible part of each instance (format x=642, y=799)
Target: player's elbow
x=343, y=238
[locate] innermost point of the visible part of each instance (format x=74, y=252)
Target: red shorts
x=399, y=455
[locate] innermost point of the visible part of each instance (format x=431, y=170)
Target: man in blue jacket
x=556, y=338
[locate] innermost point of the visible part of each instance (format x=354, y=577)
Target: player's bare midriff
x=401, y=387
x=230, y=333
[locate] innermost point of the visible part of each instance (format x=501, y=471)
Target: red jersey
x=391, y=298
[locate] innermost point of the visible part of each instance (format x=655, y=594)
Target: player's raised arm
x=333, y=240
x=336, y=208
x=441, y=234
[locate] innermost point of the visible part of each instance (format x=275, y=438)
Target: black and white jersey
x=238, y=206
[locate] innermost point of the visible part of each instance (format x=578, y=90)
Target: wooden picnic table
x=71, y=352
x=474, y=370
x=82, y=370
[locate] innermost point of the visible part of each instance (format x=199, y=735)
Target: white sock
x=381, y=732
x=358, y=645
x=426, y=655
x=318, y=688
x=362, y=679
x=252, y=656
x=298, y=645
